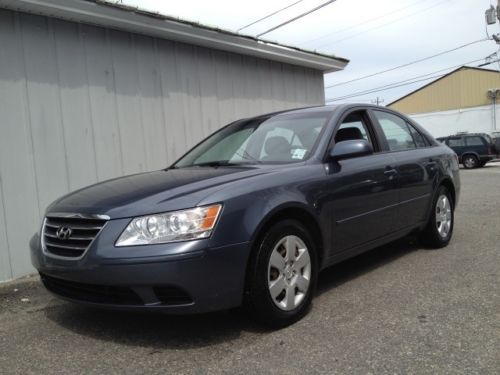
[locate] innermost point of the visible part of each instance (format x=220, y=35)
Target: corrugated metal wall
x=80, y=104
x=463, y=89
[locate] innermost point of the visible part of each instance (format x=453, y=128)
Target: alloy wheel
x=443, y=216
x=289, y=272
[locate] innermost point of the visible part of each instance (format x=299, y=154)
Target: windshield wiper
x=215, y=163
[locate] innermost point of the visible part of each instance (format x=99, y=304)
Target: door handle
x=431, y=164
x=390, y=171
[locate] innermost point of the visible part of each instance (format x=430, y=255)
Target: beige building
x=460, y=101
x=464, y=87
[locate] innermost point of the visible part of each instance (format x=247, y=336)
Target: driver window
x=353, y=128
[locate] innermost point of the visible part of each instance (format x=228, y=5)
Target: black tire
x=470, y=161
x=431, y=235
x=258, y=299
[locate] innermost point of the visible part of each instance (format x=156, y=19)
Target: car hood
x=152, y=192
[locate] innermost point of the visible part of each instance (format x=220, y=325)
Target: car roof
x=324, y=108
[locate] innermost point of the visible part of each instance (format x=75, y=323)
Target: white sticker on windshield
x=298, y=153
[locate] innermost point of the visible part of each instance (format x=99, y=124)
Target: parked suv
x=473, y=150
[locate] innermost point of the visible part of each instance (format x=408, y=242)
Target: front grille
x=112, y=295
x=82, y=233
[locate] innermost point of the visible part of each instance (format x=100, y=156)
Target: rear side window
x=396, y=131
x=419, y=139
x=456, y=142
x=474, y=141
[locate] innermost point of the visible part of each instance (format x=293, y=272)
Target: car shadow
x=486, y=166
x=156, y=330
x=352, y=268
x=490, y=165
x=160, y=331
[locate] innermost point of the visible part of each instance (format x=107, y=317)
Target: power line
x=431, y=73
x=381, y=89
x=407, y=81
x=269, y=15
x=361, y=24
x=383, y=25
x=488, y=63
x=295, y=18
x=407, y=64
x=377, y=101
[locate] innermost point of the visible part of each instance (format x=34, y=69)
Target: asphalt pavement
x=398, y=309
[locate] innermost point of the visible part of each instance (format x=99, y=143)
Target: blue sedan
x=251, y=214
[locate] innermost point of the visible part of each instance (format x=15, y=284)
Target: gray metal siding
x=81, y=104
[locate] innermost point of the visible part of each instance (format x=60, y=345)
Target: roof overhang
x=116, y=16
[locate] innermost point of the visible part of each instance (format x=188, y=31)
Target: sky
x=373, y=35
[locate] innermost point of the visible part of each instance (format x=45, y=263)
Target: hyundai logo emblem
x=63, y=233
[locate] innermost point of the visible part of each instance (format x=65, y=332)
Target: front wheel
x=439, y=228
x=282, y=275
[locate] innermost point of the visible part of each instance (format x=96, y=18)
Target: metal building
x=464, y=100
x=91, y=91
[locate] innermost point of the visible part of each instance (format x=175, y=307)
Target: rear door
x=477, y=145
x=416, y=163
x=362, y=191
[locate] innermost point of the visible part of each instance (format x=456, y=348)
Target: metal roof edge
x=122, y=17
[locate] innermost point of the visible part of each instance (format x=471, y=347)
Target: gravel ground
x=397, y=309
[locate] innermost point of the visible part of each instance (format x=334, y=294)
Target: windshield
x=286, y=138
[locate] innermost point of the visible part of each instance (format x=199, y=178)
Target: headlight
x=171, y=226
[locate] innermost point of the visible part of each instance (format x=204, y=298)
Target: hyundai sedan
x=251, y=215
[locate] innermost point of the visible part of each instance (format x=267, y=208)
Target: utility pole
x=494, y=94
x=491, y=15
x=378, y=100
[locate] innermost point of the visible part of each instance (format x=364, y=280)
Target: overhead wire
x=407, y=64
x=407, y=81
x=383, y=25
x=269, y=15
x=361, y=23
x=381, y=89
x=295, y=18
x=489, y=63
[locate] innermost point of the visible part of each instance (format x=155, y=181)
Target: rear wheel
x=470, y=161
x=439, y=229
x=282, y=275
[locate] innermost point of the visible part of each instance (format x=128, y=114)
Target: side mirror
x=350, y=149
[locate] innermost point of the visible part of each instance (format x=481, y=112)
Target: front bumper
x=184, y=277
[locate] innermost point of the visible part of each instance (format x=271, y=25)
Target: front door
x=363, y=193
x=457, y=144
